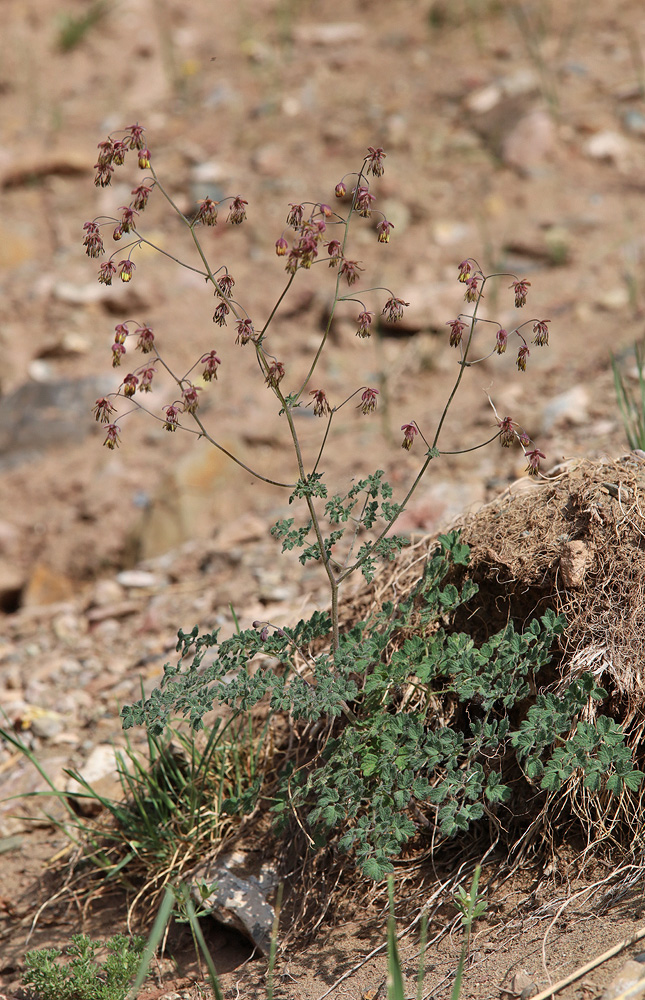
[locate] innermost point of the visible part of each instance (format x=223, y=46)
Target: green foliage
x=365, y=504
x=391, y=756
x=83, y=977
x=73, y=28
x=471, y=905
x=631, y=402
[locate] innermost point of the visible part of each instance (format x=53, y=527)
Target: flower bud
x=130, y=383
x=281, y=246
x=126, y=267
x=340, y=190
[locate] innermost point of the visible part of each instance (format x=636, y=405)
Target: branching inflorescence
x=315, y=233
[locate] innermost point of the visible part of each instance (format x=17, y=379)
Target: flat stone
x=139, y=578
x=329, y=35
x=99, y=771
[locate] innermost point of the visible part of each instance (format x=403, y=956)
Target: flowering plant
x=314, y=233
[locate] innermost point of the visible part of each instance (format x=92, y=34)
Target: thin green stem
x=336, y=300
x=432, y=452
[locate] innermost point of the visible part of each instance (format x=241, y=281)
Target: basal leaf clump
x=423, y=729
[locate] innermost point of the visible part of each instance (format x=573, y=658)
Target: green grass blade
x=395, y=989
x=197, y=931
x=274, y=943
x=154, y=940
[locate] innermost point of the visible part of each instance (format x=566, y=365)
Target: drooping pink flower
x=130, y=383
x=112, y=438
x=237, y=213
x=172, y=417
x=393, y=309
x=374, y=161
x=207, y=212
x=533, y=458
x=349, y=270
x=506, y=432
x=456, y=331
x=102, y=410
x=211, y=362
x=541, y=331
x=321, y=405
x=501, y=340
x=521, y=290
x=364, y=324
x=145, y=339
x=409, y=434
x=368, y=401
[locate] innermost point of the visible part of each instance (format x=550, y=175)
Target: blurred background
x=514, y=134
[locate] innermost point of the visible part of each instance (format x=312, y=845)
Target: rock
x=575, y=559
x=43, y=723
x=269, y=160
x=40, y=415
x=631, y=977
x=46, y=586
x=614, y=299
x=432, y=305
x=530, y=142
x=238, y=899
x=140, y=578
x=448, y=232
x=69, y=345
x=329, y=35
x=106, y=592
x=634, y=121
x=100, y=772
x=182, y=507
x=245, y=529
x=570, y=407
x=27, y=169
x=609, y=146
x=484, y=99
x=20, y=808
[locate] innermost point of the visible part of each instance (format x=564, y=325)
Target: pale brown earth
x=514, y=134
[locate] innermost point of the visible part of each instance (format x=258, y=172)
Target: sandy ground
x=514, y=135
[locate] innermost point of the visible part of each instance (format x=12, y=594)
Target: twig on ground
x=571, y=978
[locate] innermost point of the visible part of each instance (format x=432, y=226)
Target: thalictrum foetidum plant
x=376, y=766
x=344, y=531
